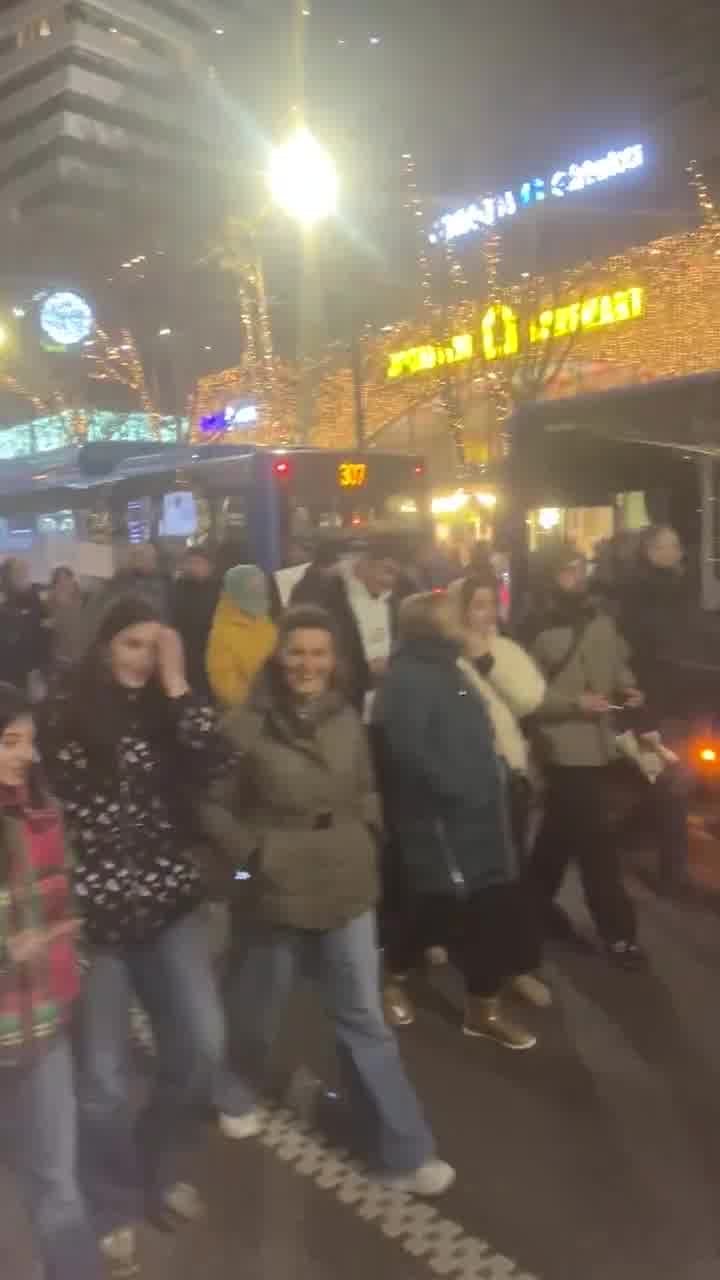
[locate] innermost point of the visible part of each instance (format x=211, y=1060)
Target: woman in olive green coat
x=297, y=820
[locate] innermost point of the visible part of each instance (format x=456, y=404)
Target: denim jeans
x=38, y=1128
x=345, y=962
x=126, y=1165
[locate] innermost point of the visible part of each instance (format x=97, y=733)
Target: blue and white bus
x=275, y=503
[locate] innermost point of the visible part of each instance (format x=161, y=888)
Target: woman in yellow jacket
x=242, y=635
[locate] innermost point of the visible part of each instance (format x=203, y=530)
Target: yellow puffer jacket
x=238, y=647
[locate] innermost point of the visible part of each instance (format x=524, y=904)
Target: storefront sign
x=499, y=331
x=232, y=418
x=492, y=209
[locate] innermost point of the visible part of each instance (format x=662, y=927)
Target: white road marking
x=416, y=1226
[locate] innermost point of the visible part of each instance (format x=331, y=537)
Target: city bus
x=593, y=466
x=588, y=467
x=275, y=503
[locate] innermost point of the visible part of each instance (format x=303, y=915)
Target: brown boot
x=484, y=1018
x=399, y=1008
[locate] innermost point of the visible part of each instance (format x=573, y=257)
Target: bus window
x=57, y=524
x=233, y=518
x=585, y=527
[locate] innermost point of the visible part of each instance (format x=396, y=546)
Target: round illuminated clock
x=66, y=318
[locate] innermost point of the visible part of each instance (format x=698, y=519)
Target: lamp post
x=304, y=184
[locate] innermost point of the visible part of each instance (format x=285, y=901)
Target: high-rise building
x=104, y=104
x=686, y=36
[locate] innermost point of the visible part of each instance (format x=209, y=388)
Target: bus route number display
x=352, y=475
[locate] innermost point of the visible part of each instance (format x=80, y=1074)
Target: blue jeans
x=346, y=964
x=38, y=1125
x=125, y=1165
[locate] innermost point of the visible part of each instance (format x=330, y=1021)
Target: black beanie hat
x=128, y=611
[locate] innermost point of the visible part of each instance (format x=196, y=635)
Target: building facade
x=102, y=101
x=685, y=36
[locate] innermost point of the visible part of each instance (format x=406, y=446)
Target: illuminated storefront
x=499, y=331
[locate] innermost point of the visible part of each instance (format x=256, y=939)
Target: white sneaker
x=237, y=1128
x=532, y=989
x=433, y=1178
x=185, y=1202
x=118, y=1251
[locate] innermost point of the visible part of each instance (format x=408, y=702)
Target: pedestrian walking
x=297, y=817
x=659, y=618
x=445, y=792
x=194, y=601
x=66, y=618
x=242, y=636
x=585, y=662
x=24, y=637
x=38, y=988
x=125, y=739
x=508, y=680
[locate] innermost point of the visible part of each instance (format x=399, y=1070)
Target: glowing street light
x=303, y=179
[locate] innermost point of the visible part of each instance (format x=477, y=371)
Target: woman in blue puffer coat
x=445, y=793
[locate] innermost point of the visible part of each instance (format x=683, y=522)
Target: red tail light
x=281, y=468
x=419, y=469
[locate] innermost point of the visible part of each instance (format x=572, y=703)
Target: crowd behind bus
x=373, y=775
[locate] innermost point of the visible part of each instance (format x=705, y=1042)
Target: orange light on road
x=709, y=755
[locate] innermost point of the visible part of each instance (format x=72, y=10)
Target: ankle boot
x=484, y=1017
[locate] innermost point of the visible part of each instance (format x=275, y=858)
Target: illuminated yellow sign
x=420, y=359
x=595, y=313
x=352, y=475
x=499, y=334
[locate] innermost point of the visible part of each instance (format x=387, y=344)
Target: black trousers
x=490, y=936
x=577, y=826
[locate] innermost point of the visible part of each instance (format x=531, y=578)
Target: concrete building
x=686, y=38
x=104, y=104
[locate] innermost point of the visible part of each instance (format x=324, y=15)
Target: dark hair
x=648, y=536
x=93, y=709
x=327, y=553
x=62, y=571
x=15, y=705
x=481, y=581
x=306, y=617
x=387, y=546
x=418, y=616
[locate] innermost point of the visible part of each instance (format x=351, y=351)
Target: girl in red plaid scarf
x=38, y=984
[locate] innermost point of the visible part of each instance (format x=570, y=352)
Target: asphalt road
x=595, y=1157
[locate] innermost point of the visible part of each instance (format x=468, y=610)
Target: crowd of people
x=380, y=748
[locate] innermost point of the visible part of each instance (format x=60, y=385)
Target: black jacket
x=24, y=637
x=193, y=609
x=129, y=817
x=660, y=620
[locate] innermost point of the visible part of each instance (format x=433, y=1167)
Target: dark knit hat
x=128, y=611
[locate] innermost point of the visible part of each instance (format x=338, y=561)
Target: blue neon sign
x=231, y=418
x=577, y=177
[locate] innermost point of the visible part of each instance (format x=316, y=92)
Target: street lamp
x=303, y=179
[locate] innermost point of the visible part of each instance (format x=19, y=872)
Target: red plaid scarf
x=34, y=998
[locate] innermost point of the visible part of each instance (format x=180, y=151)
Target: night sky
x=482, y=91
